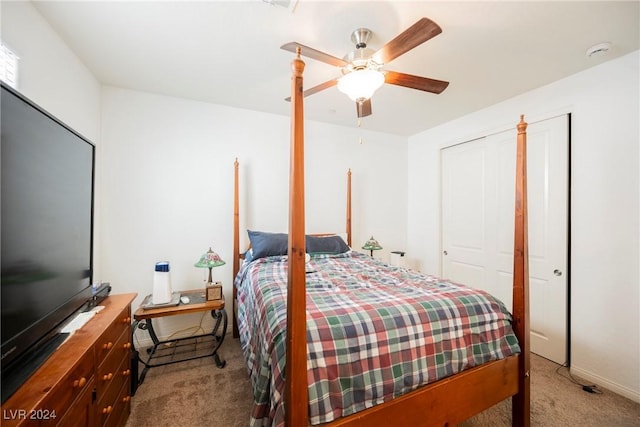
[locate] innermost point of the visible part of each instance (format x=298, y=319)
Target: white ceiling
x=228, y=52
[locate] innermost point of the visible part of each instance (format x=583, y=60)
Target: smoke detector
x=599, y=49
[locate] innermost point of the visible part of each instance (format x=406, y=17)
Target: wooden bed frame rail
x=445, y=402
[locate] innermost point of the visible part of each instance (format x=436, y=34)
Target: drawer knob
x=126, y=320
x=107, y=346
x=126, y=399
x=79, y=383
x=127, y=346
x=107, y=410
x=107, y=377
x=126, y=372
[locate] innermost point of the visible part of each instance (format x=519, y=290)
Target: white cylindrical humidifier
x=161, y=284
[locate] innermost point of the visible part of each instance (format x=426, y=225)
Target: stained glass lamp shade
x=372, y=245
x=209, y=260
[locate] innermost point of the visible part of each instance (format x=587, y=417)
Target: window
x=8, y=66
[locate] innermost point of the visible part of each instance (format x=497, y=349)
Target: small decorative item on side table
x=372, y=245
x=209, y=260
x=397, y=258
x=214, y=291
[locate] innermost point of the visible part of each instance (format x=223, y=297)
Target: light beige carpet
x=197, y=393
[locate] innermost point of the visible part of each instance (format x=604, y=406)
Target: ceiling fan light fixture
x=360, y=85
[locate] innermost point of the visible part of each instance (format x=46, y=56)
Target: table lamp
x=209, y=260
x=372, y=245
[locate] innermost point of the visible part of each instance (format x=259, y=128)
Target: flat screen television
x=47, y=233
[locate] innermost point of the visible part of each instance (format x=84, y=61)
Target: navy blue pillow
x=325, y=245
x=268, y=244
x=248, y=256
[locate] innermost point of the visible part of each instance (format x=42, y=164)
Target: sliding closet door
x=466, y=237
x=477, y=217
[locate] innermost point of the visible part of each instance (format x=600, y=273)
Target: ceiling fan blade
x=364, y=108
x=413, y=36
x=415, y=82
x=312, y=53
x=317, y=88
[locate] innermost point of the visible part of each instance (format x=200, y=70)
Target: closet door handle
x=557, y=272
x=445, y=253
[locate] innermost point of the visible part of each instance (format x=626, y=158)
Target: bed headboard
x=238, y=254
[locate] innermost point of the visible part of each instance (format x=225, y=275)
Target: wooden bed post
x=520, y=402
x=296, y=389
x=236, y=247
x=349, y=208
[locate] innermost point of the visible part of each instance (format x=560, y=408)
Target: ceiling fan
x=362, y=68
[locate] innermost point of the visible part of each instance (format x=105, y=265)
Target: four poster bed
x=340, y=338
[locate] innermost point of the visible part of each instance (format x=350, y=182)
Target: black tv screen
x=47, y=222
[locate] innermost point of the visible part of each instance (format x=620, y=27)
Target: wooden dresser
x=86, y=381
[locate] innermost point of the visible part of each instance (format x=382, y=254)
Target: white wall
x=50, y=73
x=605, y=189
x=168, y=185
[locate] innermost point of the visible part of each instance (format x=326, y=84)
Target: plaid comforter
x=374, y=332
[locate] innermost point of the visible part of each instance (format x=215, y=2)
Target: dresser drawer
x=82, y=411
x=119, y=411
x=108, y=340
x=74, y=383
x=108, y=371
x=110, y=393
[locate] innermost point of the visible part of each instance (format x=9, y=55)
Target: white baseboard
x=605, y=383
